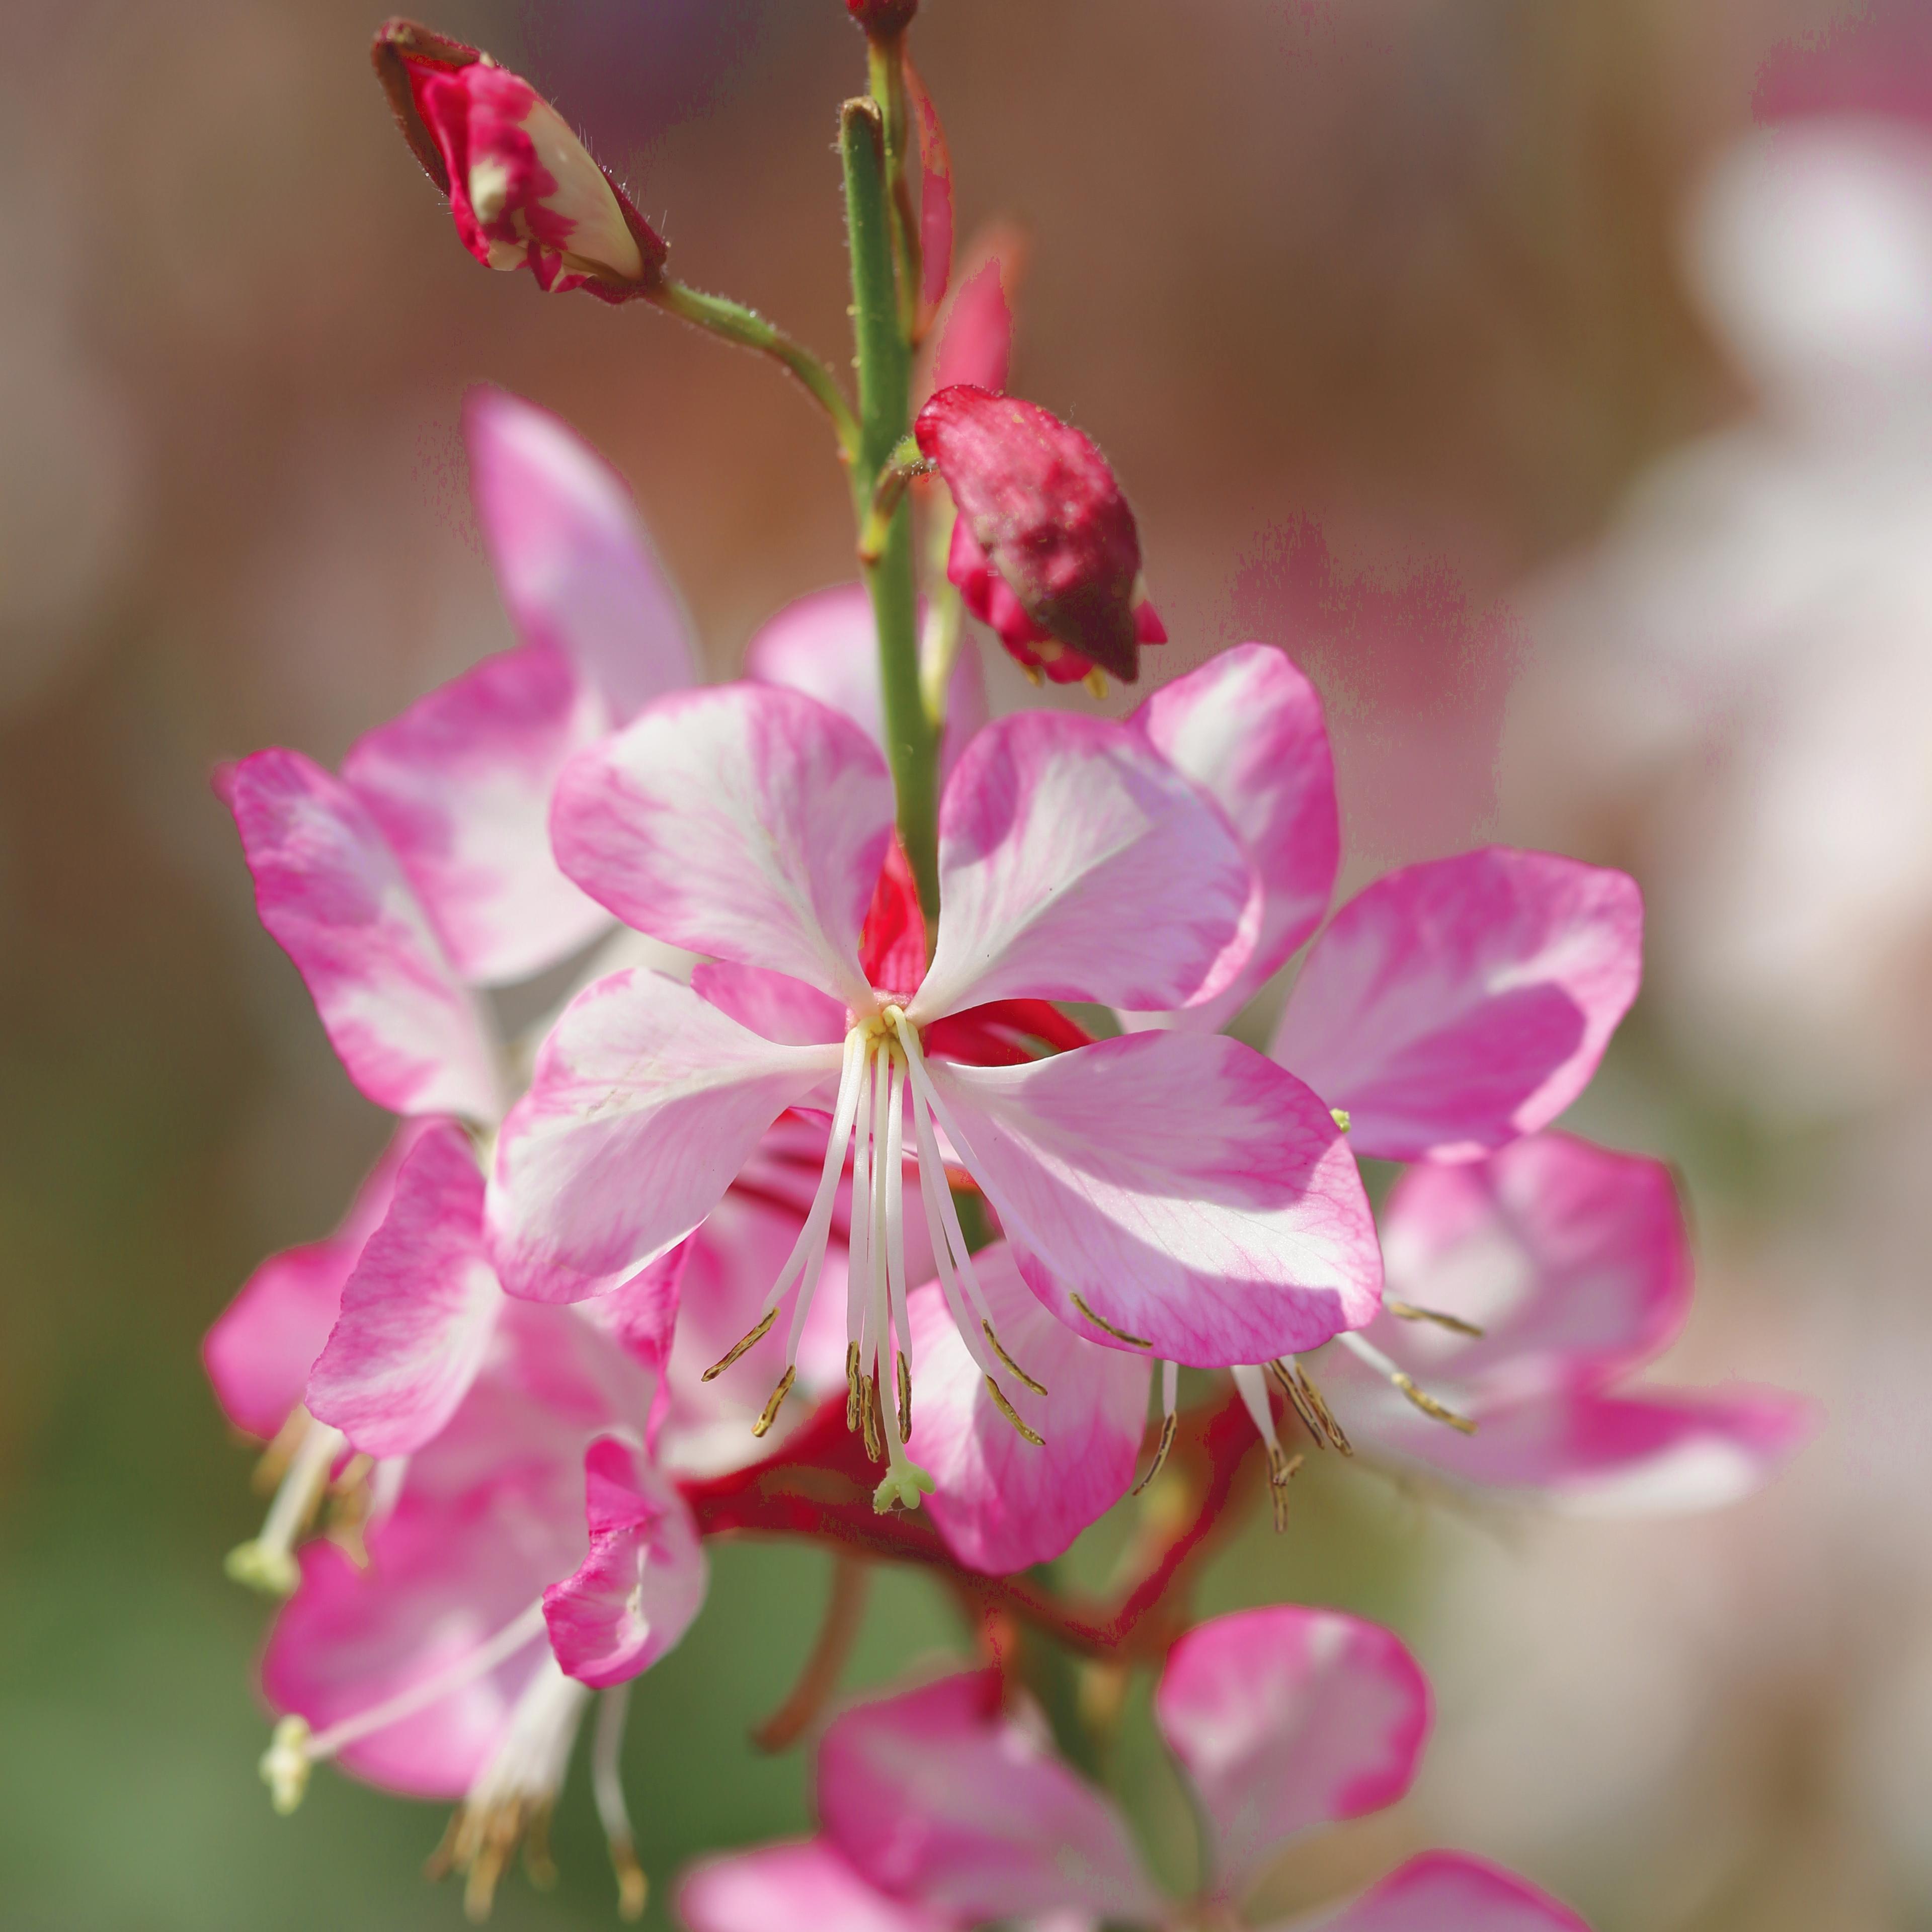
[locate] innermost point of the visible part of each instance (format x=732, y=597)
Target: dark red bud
x=882, y=18
x=1046, y=550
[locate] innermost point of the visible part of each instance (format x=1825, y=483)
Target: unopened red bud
x=882, y=17
x=1045, y=551
x=523, y=188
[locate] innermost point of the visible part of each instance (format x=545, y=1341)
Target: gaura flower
x=1045, y=549
x=423, y=871
x=939, y=1810
x=522, y=186
x=1166, y=1193
x=459, y=1659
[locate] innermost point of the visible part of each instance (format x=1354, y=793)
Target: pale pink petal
x=645, y=1101
x=258, y=1353
x=644, y=1579
x=1573, y=1260
x=1001, y=1503
x=938, y=1796
x=576, y=568
x=419, y=1310
x=1247, y=728
x=773, y=1004
x=330, y=891
x=827, y=645
x=1191, y=1193
x=1448, y=1891
x=1455, y=1005
x=460, y=786
x=804, y=1886
x=749, y=823
x=1285, y=1719
x=1076, y=863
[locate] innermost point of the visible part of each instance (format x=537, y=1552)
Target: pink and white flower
x=940, y=1808
x=1166, y=1193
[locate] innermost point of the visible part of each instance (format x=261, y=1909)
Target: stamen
x=1281, y=1468
x=1100, y=1322
x=607, y=1784
x=1317, y=1418
x=1012, y=1414
x=892, y=1189
x=1170, y=1397
x=851, y=1386
x=741, y=1347
x=770, y=1413
x=868, y=1417
x=1436, y=1410
x=267, y=1562
x=905, y=1400
x=1037, y=1388
x=1407, y=1311
x=932, y=1187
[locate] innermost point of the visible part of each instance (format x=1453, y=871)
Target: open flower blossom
x=522, y=186
x=941, y=1809
x=458, y=1657
x=1045, y=551
x=1166, y=1193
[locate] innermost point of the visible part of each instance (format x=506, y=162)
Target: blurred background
x=1555, y=383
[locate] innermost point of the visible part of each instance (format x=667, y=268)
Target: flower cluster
x=891, y=1148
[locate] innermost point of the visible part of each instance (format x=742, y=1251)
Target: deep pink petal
x=1285, y=1719
x=646, y=1100
x=1448, y=1892
x=938, y=1796
x=1189, y=1191
x=827, y=645
x=773, y=1004
x=935, y=179
x=460, y=786
x=976, y=334
x=749, y=823
x=805, y=1886
x=1456, y=1005
x=576, y=568
x=1076, y=864
x=1001, y=1503
x=1247, y=728
x=418, y=1312
x=258, y=1353
x=330, y=891
x=642, y=1582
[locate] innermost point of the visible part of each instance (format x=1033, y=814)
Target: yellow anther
x=1000, y=1350
x=1168, y=1424
x=1436, y=1410
x=633, y=1887
x=905, y=1400
x=738, y=1349
x=1101, y=1322
x=851, y=1385
x=1407, y=1311
x=1012, y=1414
x=1281, y=1468
x=770, y=1413
x=285, y=1764
x=1317, y=1418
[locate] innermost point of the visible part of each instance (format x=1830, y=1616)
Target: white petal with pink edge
x=1247, y=728
x=1076, y=863
x=645, y=1101
x=418, y=1312
x=330, y=890
x=1199, y=1201
x=749, y=823
x=804, y=1886
x=1455, y=1005
x=1447, y=1891
x=576, y=568
x=938, y=1796
x=1285, y=1719
x=1002, y=1503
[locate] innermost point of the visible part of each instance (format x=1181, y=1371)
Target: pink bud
x=881, y=18
x=1045, y=551
x=522, y=186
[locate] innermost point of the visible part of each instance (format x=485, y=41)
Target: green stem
x=885, y=61
x=885, y=382
x=750, y=330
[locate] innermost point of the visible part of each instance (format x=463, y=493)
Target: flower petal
x=802, y=1887
x=749, y=823
x=576, y=568
x=772, y=1004
x=1247, y=728
x=1075, y=863
x=645, y=1101
x=330, y=891
x=460, y=786
x=1185, y=1188
x=1448, y=1891
x=419, y=1310
x=938, y=1796
x=827, y=645
x=1285, y=1719
x=1001, y=1503
x=643, y=1582
x=1456, y=1005
x=258, y=1353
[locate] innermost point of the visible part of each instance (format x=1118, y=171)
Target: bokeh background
x=1554, y=382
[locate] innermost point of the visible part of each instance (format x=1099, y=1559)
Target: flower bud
x=522, y=186
x=881, y=18
x=1045, y=551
